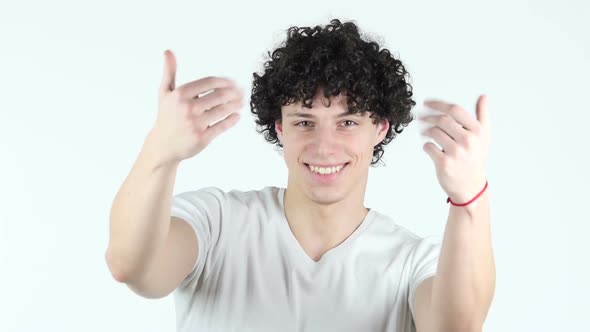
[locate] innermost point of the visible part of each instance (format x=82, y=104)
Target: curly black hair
x=336, y=59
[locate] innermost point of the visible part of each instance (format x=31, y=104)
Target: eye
x=299, y=124
x=350, y=121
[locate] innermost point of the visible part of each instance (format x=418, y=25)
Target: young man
x=309, y=257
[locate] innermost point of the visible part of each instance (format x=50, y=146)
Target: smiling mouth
x=331, y=170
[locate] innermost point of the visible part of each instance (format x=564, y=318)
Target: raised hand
x=461, y=164
x=188, y=117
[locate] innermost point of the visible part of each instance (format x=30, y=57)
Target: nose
x=325, y=141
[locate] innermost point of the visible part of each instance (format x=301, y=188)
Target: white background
x=78, y=93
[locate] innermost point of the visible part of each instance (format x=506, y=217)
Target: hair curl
x=338, y=60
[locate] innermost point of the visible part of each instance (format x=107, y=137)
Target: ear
x=382, y=128
x=279, y=129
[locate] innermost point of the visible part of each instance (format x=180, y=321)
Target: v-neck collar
x=297, y=249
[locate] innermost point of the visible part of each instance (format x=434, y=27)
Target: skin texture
x=459, y=296
x=322, y=215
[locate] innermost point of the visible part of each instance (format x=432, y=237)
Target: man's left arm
x=459, y=296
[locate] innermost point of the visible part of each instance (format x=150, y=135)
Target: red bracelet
x=474, y=198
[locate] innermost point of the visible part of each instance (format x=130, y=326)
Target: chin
x=324, y=189
x=325, y=195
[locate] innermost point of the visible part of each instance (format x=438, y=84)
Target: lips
x=326, y=178
x=327, y=165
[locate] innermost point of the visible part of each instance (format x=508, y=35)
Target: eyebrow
x=309, y=115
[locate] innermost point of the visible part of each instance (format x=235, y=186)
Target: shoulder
x=266, y=195
x=386, y=225
x=235, y=197
x=395, y=234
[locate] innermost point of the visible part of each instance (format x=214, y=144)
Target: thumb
x=168, y=78
x=482, y=110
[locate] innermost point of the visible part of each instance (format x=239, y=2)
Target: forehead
x=311, y=113
x=338, y=107
x=298, y=111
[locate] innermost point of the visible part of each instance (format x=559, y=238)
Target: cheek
x=362, y=146
x=291, y=152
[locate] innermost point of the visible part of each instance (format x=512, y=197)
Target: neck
x=320, y=226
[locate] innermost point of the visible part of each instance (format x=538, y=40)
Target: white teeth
x=325, y=170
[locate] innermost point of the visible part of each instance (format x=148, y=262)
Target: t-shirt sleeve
x=202, y=210
x=424, y=260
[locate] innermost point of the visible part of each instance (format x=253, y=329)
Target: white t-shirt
x=252, y=275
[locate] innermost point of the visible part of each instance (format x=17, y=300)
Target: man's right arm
x=149, y=250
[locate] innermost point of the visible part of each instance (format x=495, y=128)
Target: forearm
x=140, y=214
x=465, y=280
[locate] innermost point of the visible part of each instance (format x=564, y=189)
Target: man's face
x=329, y=141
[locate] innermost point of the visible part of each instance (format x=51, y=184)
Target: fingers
x=221, y=126
x=456, y=112
x=215, y=98
x=441, y=138
x=433, y=151
x=169, y=76
x=195, y=88
x=222, y=111
x=446, y=123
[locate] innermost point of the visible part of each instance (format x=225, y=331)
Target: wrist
x=467, y=198
x=153, y=152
